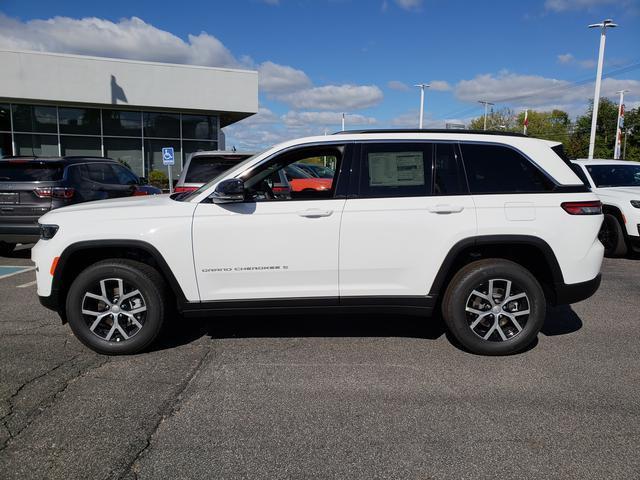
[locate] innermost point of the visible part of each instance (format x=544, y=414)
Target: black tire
x=504, y=339
x=6, y=248
x=612, y=237
x=153, y=291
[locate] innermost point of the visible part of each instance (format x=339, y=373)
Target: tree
x=503, y=119
x=578, y=144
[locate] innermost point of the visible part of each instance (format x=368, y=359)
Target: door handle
x=315, y=213
x=446, y=208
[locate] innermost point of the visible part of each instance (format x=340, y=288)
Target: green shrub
x=159, y=179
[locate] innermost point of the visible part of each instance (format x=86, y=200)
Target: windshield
x=29, y=171
x=203, y=168
x=191, y=195
x=615, y=175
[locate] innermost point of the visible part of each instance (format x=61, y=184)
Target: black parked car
x=31, y=186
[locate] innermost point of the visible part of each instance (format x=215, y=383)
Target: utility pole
x=421, y=86
x=619, y=125
x=608, y=23
x=486, y=107
x=343, y=114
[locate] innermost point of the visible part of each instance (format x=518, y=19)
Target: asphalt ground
x=323, y=397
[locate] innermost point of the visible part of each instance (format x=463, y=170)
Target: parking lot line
x=11, y=270
x=25, y=285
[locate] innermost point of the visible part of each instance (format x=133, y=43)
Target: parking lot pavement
x=323, y=397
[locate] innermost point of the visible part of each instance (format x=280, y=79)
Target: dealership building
x=55, y=104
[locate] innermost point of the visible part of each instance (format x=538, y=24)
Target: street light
x=486, y=106
x=343, y=115
x=422, y=86
x=608, y=23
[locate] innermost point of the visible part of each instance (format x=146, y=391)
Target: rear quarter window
x=500, y=169
x=202, y=168
x=17, y=171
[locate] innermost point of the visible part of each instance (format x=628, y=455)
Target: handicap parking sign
x=167, y=156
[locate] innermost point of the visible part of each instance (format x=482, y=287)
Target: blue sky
x=317, y=58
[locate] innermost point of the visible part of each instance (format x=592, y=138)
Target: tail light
x=140, y=193
x=55, y=192
x=184, y=189
x=582, y=208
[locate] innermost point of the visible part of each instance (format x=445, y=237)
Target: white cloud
x=439, y=85
x=301, y=119
x=271, y=2
x=569, y=59
x=409, y=4
x=276, y=78
x=398, y=85
x=334, y=97
x=566, y=5
x=130, y=38
x=565, y=58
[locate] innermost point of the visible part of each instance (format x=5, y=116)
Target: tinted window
x=21, y=171
x=447, y=170
x=165, y=125
x=102, y=173
x=577, y=169
x=199, y=126
x=615, y=175
x=79, y=120
x=124, y=175
x=498, y=169
x=204, y=168
x=35, y=118
x=80, y=146
x=395, y=170
x=5, y=117
x=122, y=123
x=33, y=144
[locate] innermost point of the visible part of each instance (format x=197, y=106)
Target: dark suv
x=31, y=186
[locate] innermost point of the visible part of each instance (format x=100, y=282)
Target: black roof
x=67, y=160
x=434, y=130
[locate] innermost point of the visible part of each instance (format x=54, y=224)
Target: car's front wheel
x=117, y=307
x=494, y=307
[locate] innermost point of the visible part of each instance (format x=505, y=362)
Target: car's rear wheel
x=494, y=307
x=612, y=237
x=6, y=248
x=117, y=307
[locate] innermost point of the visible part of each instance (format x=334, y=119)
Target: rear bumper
x=19, y=232
x=576, y=292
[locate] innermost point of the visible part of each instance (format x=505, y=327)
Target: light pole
x=421, y=86
x=619, y=126
x=486, y=107
x=343, y=115
x=608, y=23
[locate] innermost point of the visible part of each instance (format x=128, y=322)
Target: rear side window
x=500, y=169
x=447, y=170
x=18, y=171
x=102, y=173
x=395, y=170
x=203, y=168
x=125, y=176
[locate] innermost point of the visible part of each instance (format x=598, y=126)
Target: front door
x=281, y=242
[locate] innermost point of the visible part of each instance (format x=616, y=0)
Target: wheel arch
x=78, y=256
x=616, y=212
x=531, y=252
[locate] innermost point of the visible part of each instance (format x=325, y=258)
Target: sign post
x=168, y=159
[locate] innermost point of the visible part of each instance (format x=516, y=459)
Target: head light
x=47, y=232
x=635, y=203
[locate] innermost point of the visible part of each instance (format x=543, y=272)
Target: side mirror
x=229, y=191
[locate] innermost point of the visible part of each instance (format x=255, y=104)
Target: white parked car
x=617, y=183
x=487, y=228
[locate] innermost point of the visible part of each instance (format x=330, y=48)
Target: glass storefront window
x=5, y=117
x=153, y=156
x=164, y=125
x=34, y=118
x=122, y=123
x=203, y=127
x=126, y=150
x=5, y=145
x=80, y=146
x=191, y=146
x=36, y=145
x=79, y=120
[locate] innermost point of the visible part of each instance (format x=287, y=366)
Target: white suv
x=486, y=228
x=617, y=183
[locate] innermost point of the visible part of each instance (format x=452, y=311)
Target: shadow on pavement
x=186, y=330
x=561, y=320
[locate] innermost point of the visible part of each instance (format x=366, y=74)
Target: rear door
x=25, y=191
x=408, y=208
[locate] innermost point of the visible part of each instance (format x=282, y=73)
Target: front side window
x=395, y=170
x=202, y=168
x=615, y=175
x=279, y=179
x=500, y=169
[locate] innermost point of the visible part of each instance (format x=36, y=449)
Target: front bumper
x=567, y=293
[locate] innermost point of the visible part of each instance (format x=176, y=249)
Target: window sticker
x=396, y=169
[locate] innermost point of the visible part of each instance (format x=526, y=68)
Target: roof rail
x=434, y=130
